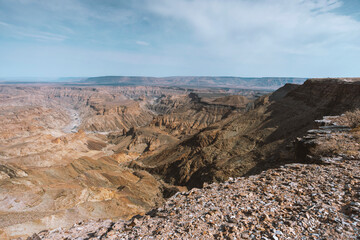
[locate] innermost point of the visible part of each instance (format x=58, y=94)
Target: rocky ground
x=295, y=201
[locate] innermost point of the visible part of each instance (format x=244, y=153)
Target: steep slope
x=114, y=115
x=248, y=143
x=186, y=115
x=236, y=101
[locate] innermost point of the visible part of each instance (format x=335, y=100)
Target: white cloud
x=52, y=20
x=21, y=32
x=242, y=27
x=142, y=43
x=4, y=24
x=42, y=36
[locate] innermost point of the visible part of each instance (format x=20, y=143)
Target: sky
x=245, y=38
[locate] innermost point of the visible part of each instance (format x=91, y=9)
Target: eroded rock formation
x=73, y=153
x=64, y=152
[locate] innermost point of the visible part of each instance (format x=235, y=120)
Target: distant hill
x=238, y=82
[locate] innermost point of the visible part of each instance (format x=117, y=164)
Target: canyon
x=79, y=152
x=65, y=151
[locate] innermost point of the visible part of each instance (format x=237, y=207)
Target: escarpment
x=186, y=115
x=262, y=138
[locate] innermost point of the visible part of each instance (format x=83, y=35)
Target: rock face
x=113, y=116
x=186, y=115
x=330, y=139
x=236, y=101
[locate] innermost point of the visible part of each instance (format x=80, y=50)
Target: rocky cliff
x=186, y=115
x=262, y=138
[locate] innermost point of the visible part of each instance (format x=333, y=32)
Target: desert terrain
x=179, y=119
x=179, y=162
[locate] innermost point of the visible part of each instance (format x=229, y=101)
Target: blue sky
x=61, y=38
